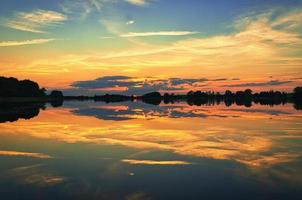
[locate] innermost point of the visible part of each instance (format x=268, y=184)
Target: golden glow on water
x=35, y=175
x=154, y=162
x=250, y=137
x=16, y=153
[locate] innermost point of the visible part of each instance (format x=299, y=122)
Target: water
x=132, y=150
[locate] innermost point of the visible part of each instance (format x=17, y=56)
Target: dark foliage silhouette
x=12, y=87
x=111, y=98
x=56, y=94
x=153, y=98
x=241, y=98
x=12, y=111
x=56, y=98
x=297, y=96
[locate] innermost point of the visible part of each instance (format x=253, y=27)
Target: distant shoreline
x=14, y=90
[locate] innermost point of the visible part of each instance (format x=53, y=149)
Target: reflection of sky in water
x=140, y=151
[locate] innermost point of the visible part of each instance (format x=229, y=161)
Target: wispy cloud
x=35, y=21
x=25, y=42
x=289, y=21
x=137, y=2
x=150, y=34
x=160, y=33
x=259, y=84
x=83, y=8
x=257, y=46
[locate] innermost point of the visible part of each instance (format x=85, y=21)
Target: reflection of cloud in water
x=254, y=141
x=265, y=111
x=155, y=162
x=138, y=196
x=26, y=154
x=270, y=160
x=137, y=110
x=106, y=114
x=36, y=175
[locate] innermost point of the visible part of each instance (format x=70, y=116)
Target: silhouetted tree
x=152, y=98
x=298, y=93
x=248, y=92
x=297, y=96
x=228, y=93
x=57, y=98
x=12, y=87
x=167, y=98
x=56, y=94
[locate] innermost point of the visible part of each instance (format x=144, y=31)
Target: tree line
x=12, y=87
x=241, y=98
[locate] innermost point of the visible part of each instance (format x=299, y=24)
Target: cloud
x=135, y=86
x=150, y=34
x=132, y=85
x=26, y=154
x=154, y=162
x=259, y=84
x=137, y=2
x=130, y=22
x=25, y=42
x=181, y=81
x=105, y=82
x=289, y=21
x=83, y=8
x=35, y=21
x=255, y=46
x=160, y=33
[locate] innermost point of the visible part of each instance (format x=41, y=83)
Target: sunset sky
x=137, y=46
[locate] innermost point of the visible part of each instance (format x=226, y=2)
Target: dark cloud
x=268, y=83
x=180, y=81
x=134, y=86
x=106, y=82
x=220, y=79
x=266, y=111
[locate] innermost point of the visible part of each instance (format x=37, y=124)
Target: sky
x=138, y=46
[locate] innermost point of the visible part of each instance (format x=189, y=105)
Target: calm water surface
x=88, y=150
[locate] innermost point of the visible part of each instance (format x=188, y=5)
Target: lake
x=132, y=150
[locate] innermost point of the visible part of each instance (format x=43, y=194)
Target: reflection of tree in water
x=240, y=98
x=56, y=103
x=298, y=98
x=153, y=98
x=12, y=111
x=298, y=105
